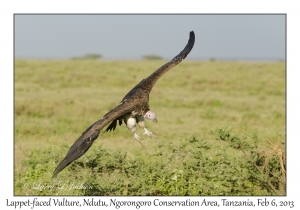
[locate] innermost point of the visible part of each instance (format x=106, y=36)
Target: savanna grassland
x=221, y=129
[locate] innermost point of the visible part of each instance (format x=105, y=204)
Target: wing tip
x=192, y=36
x=55, y=174
x=58, y=169
x=189, y=46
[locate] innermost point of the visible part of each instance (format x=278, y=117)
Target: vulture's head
x=150, y=116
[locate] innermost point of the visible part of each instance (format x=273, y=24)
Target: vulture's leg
x=141, y=123
x=131, y=125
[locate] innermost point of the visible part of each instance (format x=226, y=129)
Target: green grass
x=221, y=129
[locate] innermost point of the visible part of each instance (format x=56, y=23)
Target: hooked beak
x=155, y=120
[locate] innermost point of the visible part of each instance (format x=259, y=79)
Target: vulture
x=132, y=110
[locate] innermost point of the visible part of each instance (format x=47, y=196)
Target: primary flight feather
x=133, y=108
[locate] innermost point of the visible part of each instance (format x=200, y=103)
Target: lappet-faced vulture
x=133, y=109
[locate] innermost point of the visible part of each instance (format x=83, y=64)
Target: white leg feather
x=131, y=125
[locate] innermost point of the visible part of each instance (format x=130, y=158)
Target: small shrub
x=191, y=166
x=152, y=57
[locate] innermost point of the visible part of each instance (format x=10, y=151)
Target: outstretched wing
x=85, y=141
x=148, y=83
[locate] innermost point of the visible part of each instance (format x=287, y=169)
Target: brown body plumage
x=135, y=103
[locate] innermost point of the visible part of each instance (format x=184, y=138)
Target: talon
x=137, y=137
x=149, y=133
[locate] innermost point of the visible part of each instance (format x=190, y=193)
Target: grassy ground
x=221, y=129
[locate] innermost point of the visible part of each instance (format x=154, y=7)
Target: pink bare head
x=150, y=116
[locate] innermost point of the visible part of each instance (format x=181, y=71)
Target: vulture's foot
x=148, y=133
x=138, y=138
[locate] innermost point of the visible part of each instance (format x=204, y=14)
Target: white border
x=8, y=8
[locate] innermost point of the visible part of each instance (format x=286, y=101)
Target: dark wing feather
x=148, y=83
x=112, y=126
x=85, y=141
